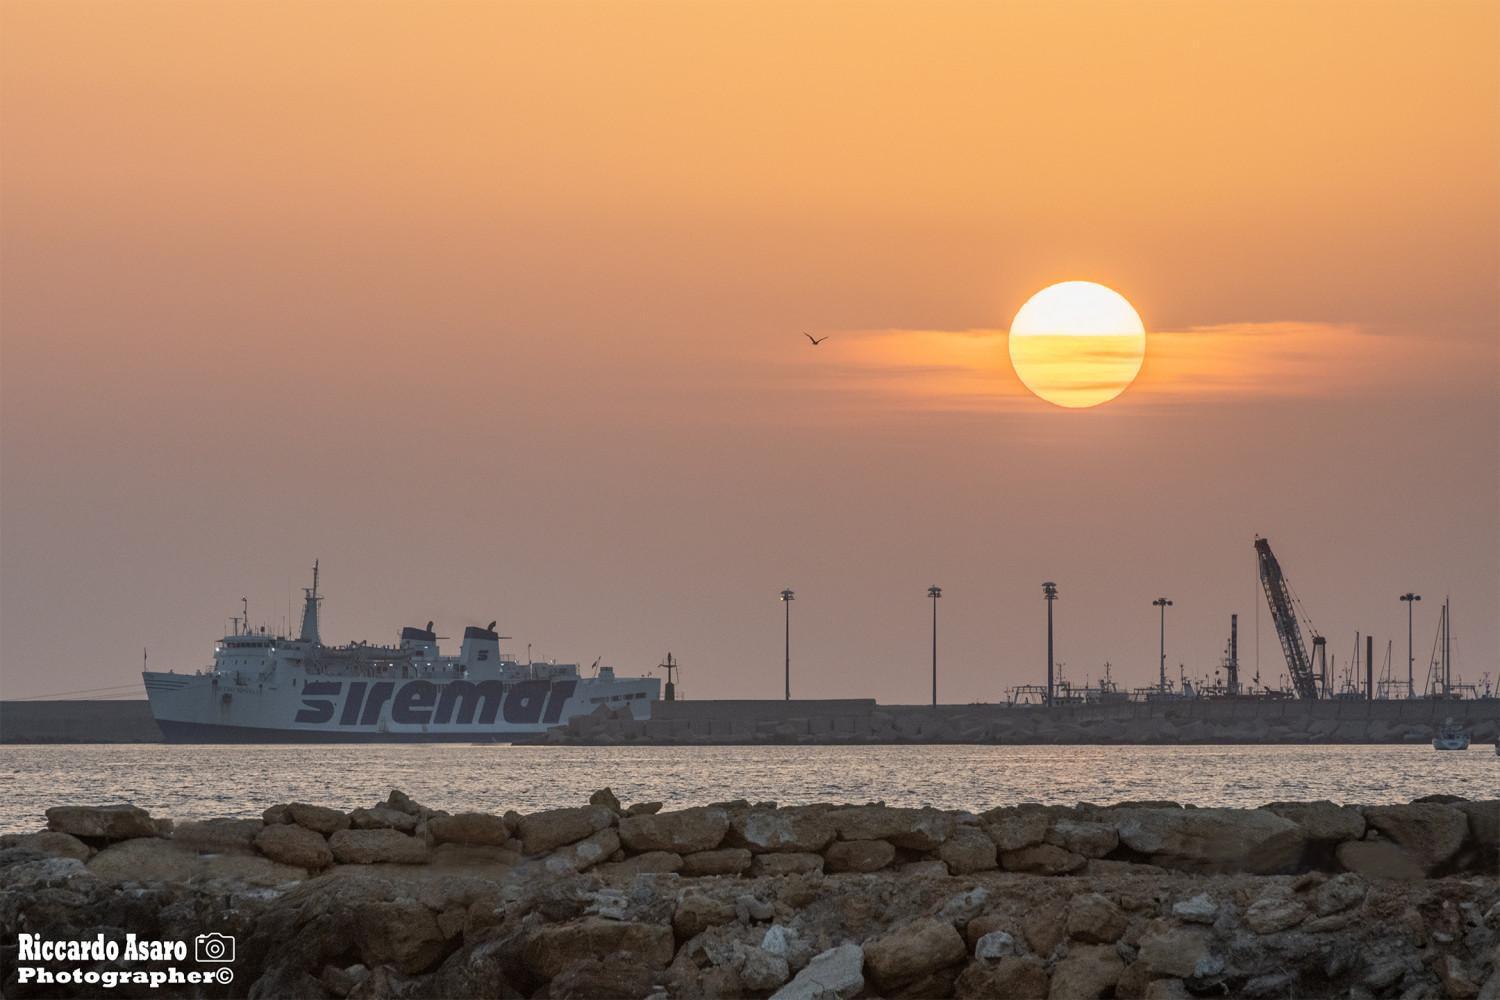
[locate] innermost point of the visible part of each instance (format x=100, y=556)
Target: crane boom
x=1279, y=597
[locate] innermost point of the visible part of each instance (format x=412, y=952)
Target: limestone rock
x=1200, y=909
x=598, y=977
x=697, y=912
x=790, y=863
x=1045, y=925
x=1379, y=859
x=1272, y=913
x=1484, y=823
x=120, y=822
x=932, y=868
x=402, y=933
x=1042, y=859
x=1213, y=840
x=1014, y=828
x=1339, y=893
x=1428, y=831
x=1086, y=971
x=469, y=828
x=552, y=828
x=994, y=946
x=1322, y=820
x=912, y=950
x=606, y=797
x=215, y=836
x=1092, y=840
x=917, y=829
x=859, y=855
x=585, y=854
x=769, y=831
x=290, y=844
x=472, y=856
x=556, y=946
x=368, y=847
x=1095, y=919
x=681, y=831
x=759, y=970
x=643, y=809
x=1172, y=950
x=725, y=861
x=1009, y=978
x=50, y=843
x=319, y=818
x=380, y=817
x=276, y=814
x=836, y=974
x=968, y=850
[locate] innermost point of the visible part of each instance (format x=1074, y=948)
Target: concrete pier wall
x=120, y=721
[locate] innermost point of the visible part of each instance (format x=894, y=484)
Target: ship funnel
x=310, y=610
x=481, y=645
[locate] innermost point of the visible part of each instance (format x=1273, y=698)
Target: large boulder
x=1274, y=912
x=1091, y=840
x=649, y=863
x=1170, y=949
x=469, y=828
x=552, y=828
x=1380, y=859
x=369, y=847
x=1213, y=840
x=913, y=950
x=1094, y=919
x=791, y=863
x=859, y=855
x=836, y=974
x=121, y=822
x=402, y=933
x=1015, y=827
x=382, y=817
x=290, y=844
x=968, y=850
x=1429, y=831
x=764, y=831
x=917, y=829
x=215, y=836
x=1089, y=970
x=555, y=947
x=599, y=977
x=697, y=912
x=681, y=831
x=1322, y=821
x=319, y=818
x=50, y=843
x=585, y=854
x=1484, y=823
x=150, y=859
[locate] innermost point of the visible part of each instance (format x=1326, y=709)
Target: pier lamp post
x=1411, y=600
x=934, y=592
x=786, y=598
x=1049, y=594
x=1164, y=604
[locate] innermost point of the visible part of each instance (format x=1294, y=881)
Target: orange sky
x=496, y=309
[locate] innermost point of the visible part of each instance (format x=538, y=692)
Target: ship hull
x=323, y=709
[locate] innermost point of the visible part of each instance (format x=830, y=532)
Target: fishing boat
x=1450, y=736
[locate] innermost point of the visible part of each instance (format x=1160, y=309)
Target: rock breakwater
x=808, y=902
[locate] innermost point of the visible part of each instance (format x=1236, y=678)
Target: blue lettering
x=352, y=701
x=380, y=693
x=561, y=692
x=413, y=704
x=524, y=703
x=317, y=710
x=469, y=698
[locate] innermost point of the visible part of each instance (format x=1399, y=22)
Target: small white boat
x=1451, y=736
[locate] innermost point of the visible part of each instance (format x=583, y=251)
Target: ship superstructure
x=266, y=688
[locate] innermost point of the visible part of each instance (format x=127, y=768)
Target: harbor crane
x=1284, y=615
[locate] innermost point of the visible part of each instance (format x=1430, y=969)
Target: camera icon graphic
x=213, y=948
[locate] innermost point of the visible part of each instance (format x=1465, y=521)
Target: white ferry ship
x=265, y=688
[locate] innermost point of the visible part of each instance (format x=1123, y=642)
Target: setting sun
x=1077, y=344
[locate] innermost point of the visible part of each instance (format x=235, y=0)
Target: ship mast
x=310, y=610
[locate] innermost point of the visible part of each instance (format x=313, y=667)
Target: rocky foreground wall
x=1144, y=899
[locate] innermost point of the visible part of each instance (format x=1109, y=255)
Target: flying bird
x=815, y=340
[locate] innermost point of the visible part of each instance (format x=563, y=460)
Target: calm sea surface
x=195, y=782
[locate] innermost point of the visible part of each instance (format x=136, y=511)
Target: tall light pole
x=934, y=592
x=1164, y=604
x=1049, y=594
x=1410, y=599
x=786, y=598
